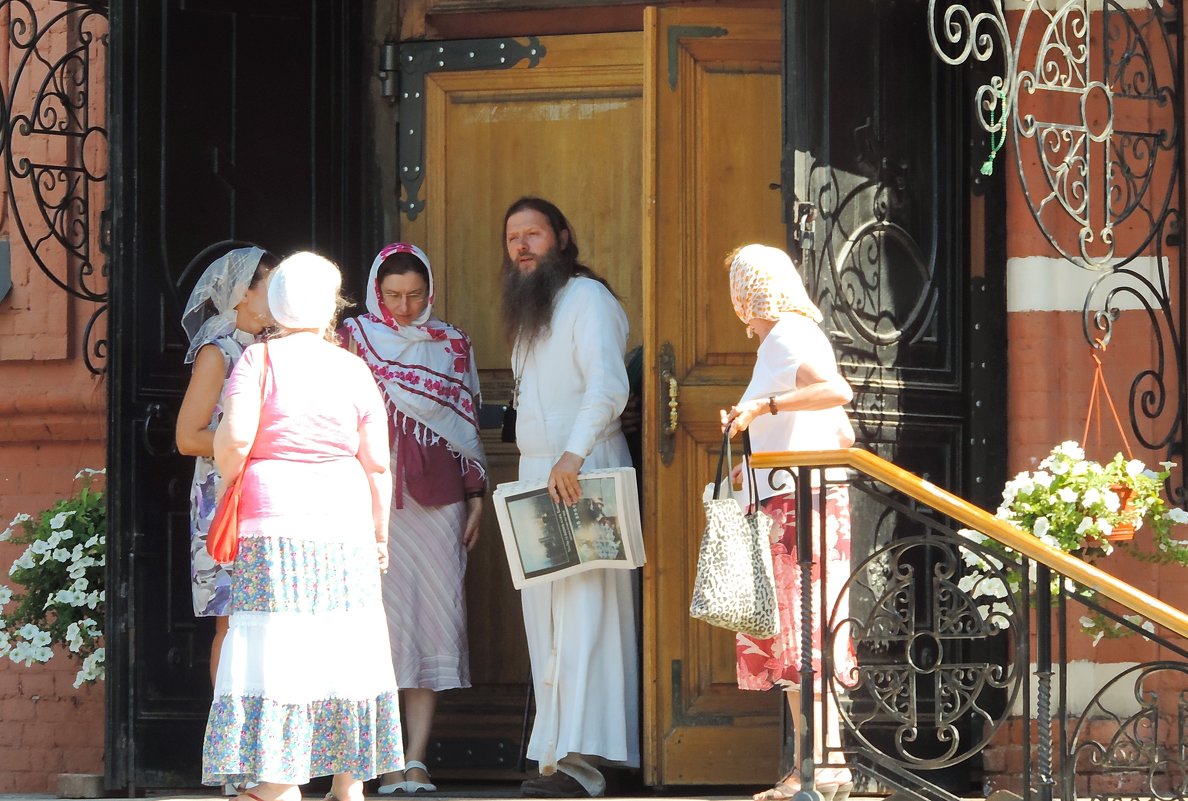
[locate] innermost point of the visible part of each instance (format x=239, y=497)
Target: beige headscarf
x=764, y=284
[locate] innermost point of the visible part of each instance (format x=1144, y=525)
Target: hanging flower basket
x=1085, y=509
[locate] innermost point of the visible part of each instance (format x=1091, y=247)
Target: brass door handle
x=674, y=402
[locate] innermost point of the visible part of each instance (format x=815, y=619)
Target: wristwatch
x=771, y=404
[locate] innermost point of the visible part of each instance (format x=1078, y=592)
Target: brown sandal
x=782, y=791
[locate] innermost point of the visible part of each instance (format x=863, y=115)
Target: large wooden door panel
x=569, y=130
x=713, y=96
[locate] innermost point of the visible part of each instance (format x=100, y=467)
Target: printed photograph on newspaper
x=546, y=540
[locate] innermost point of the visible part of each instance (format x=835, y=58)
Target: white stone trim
x=1085, y=679
x=1041, y=283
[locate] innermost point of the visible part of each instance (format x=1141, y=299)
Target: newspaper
x=546, y=541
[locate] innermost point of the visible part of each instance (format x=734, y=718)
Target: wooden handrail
x=980, y=520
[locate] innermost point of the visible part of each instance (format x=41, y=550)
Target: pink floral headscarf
x=765, y=285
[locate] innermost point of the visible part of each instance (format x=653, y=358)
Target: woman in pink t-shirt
x=305, y=684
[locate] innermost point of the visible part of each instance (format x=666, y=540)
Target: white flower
x=4, y=641
x=1067, y=494
x=1050, y=541
x=1106, y=528
x=1167, y=465
x=59, y=520
x=1079, y=469
x=5, y=594
x=92, y=668
x=1151, y=474
x=21, y=518
x=1041, y=526
x=6, y=535
x=1111, y=501
x=1085, y=524
x=92, y=542
x=1134, y=467
x=27, y=653
x=24, y=562
x=90, y=471
x=93, y=599
x=71, y=597
x=74, y=639
x=28, y=631
x=1177, y=515
x=40, y=547
x=65, y=534
x=61, y=555
x=1097, y=638
x=1043, y=479
x=1093, y=496
x=1071, y=449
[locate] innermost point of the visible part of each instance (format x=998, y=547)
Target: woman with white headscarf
x=305, y=685
x=227, y=311
x=426, y=371
x=793, y=403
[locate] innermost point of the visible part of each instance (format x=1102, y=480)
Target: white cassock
x=581, y=630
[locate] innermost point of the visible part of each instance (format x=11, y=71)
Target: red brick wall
x=48, y=726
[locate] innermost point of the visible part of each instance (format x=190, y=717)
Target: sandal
x=393, y=788
x=783, y=789
x=411, y=787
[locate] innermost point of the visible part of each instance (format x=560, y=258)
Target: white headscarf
x=210, y=312
x=764, y=285
x=303, y=291
x=425, y=369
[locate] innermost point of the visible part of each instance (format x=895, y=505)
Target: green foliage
x=59, y=595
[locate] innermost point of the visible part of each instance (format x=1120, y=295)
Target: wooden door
x=568, y=129
x=713, y=94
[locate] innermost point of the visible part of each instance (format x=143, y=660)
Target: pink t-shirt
x=317, y=400
x=317, y=396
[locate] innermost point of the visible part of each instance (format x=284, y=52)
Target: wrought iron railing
x=951, y=667
x=54, y=146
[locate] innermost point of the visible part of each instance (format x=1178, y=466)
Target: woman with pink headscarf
x=426, y=372
x=793, y=403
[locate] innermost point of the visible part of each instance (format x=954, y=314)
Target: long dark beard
x=528, y=298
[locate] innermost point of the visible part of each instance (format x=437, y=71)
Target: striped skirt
x=424, y=597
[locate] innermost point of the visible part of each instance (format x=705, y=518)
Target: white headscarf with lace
x=210, y=312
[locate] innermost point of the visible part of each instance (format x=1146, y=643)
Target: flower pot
x=1123, y=532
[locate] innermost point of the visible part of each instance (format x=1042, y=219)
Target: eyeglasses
x=412, y=297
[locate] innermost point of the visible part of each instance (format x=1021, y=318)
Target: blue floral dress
x=210, y=582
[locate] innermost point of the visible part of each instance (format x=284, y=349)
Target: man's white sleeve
x=599, y=345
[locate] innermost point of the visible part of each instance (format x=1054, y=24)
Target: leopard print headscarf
x=764, y=284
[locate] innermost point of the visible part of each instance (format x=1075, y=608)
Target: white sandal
x=411, y=787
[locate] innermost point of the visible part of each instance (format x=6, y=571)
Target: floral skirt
x=763, y=663
x=305, y=685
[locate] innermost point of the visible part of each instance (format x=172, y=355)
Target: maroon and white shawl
x=425, y=370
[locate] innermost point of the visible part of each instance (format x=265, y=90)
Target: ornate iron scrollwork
x=55, y=150
x=1091, y=90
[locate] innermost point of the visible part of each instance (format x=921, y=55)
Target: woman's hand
x=740, y=417
x=381, y=551
x=474, y=513
x=563, y=479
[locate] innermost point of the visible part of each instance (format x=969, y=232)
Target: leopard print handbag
x=735, y=587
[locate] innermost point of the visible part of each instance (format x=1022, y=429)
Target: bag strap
x=753, y=496
x=724, y=456
x=259, y=423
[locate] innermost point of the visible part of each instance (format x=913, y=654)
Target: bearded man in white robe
x=569, y=335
